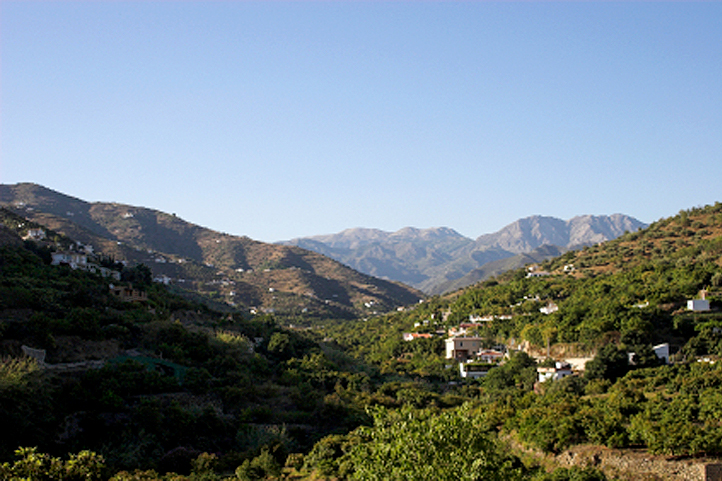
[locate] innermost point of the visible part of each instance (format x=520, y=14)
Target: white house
x=165, y=280
x=490, y=355
x=103, y=271
x=462, y=348
x=534, y=271
x=463, y=329
x=698, y=305
x=701, y=304
x=410, y=336
x=662, y=352
x=476, y=319
x=549, y=308
x=470, y=370
x=73, y=259
x=35, y=234
x=559, y=371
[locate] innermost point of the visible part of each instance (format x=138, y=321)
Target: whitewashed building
x=73, y=259
x=560, y=370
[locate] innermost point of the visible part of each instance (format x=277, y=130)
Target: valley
x=312, y=370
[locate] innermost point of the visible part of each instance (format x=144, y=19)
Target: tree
x=203, y=468
x=609, y=363
x=140, y=275
x=261, y=467
x=280, y=345
x=411, y=444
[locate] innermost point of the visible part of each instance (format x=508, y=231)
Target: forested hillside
x=208, y=395
x=617, y=298
x=156, y=382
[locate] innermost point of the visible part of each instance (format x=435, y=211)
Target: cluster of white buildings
x=80, y=261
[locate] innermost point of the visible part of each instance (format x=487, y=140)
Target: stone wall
x=634, y=465
x=627, y=464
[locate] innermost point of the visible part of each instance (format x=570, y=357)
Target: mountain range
x=224, y=269
x=355, y=272
x=437, y=260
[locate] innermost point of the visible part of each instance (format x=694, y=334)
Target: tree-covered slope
x=153, y=383
x=614, y=302
x=496, y=268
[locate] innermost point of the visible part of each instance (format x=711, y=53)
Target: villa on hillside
x=463, y=329
x=534, y=271
x=462, y=348
x=474, y=370
x=698, y=305
x=701, y=304
x=480, y=364
x=103, y=271
x=550, y=308
x=662, y=352
x=80, y=261
x=35, y=234
x=73, y=259
x=165, y=280
x=490, y=355
x=560, y=370
x=476, y=319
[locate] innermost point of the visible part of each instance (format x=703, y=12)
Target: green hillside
x=186, y=389
x=152, y=384
x=620, y=297
x=632, y=289
x=496, y=268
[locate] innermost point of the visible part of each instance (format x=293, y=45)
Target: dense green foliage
x=186, y=392
x=419, y=444
x=32, y=465
x=178, y=378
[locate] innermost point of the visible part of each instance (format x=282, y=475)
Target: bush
x=32, y=465
x=262, y=466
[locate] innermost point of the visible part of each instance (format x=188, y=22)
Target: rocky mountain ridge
x=437, y=259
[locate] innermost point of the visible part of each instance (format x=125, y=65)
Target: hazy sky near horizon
x=278, y=119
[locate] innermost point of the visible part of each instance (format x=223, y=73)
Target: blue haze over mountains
x=437, y=260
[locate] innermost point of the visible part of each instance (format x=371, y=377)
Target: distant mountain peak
x=529, y=233
x=437, y=256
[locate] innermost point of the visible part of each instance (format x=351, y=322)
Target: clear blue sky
x=278, y=120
